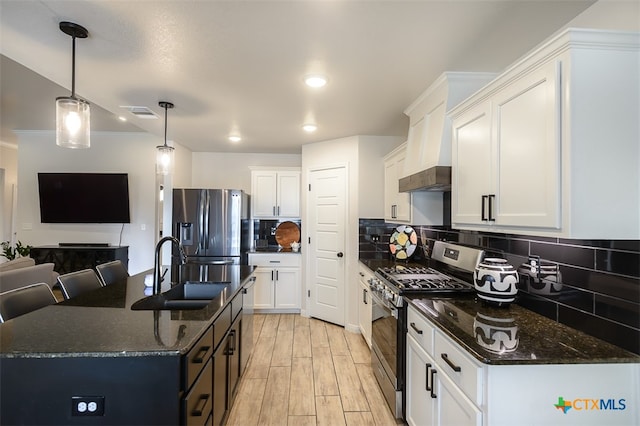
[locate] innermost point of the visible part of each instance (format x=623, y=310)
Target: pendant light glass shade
x=164, y=153
x=73, y=115
x=164, y=159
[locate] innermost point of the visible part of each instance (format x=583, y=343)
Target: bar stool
x=22, y=300
x=111, y=272
x=76, y=283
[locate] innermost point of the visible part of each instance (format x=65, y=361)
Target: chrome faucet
x=157, y=275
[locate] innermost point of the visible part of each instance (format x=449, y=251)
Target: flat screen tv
x=84, y=197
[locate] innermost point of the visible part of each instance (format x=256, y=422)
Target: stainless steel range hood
x=437, y=178
x=427, y=165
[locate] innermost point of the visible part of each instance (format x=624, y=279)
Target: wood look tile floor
x=304, y=371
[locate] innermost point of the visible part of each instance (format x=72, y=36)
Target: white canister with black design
x=496, y=281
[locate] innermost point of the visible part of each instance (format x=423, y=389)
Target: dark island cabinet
x=89, y=390
x=75, y=258
x=226, y=362
x=197, y=384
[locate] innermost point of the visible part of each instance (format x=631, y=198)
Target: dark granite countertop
x=510, y=335
x=101, y=323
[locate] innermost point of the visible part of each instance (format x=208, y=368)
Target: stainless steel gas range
x=450, y=273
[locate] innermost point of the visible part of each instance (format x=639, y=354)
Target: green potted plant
x=12, y=253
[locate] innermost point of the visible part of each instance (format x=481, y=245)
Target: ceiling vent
x=141, y=112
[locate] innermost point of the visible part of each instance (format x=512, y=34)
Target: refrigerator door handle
x=207, y=211
x=201, y=212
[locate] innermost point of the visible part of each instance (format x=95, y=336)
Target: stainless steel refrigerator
x=212, y=225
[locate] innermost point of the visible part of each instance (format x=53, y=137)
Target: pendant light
x=72, y=113
x=164, y=157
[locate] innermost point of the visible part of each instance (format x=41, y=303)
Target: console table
x=74, y=258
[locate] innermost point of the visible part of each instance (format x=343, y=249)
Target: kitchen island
x=129, y=366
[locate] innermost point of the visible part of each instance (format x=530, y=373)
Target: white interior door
x=327, y=220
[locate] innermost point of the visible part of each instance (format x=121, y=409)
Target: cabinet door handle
x=364, y=296
x=492, y=198
x=278, y=210
x=426, y=378
x=277, y=276
x=413, y=325
x=274, y=210
x=199, y=358
x=232, y=344
x=361, y=274
x=454, y=367
x=199, y=408
x=484, y=203
x=433, y=384
x=272, y=275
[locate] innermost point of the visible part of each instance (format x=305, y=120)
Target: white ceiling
x=238, y=66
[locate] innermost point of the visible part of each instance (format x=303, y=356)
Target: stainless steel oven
x=386, y=345
x=389, y=316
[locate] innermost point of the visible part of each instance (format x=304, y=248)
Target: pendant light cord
x=73, y=67
x=166, y=107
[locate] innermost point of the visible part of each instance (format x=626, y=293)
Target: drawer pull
x=450, y=364
x=433, y=384
x=199, y=408
x=417, y=330
x=427, y=387
x=199, y=358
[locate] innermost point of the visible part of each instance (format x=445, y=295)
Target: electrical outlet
x=87, y=405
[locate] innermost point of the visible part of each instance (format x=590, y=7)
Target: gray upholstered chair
x=111, y=272
x=76, y=283
x=22, y=300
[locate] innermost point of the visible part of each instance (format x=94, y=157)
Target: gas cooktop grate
x=422, y=279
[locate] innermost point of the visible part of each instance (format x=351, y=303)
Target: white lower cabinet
x=364, y=304
x=453, y=408
x=446, y=385
x=433, y=398
x=278, y=284
x=420, y=410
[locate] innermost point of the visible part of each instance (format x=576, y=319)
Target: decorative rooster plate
x=403, y=242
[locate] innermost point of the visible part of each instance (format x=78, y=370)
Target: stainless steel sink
x=187, y=296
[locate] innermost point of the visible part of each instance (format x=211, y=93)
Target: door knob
x=340, y=254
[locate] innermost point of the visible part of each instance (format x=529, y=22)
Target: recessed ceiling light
x=235, y=139
x=121, y=118
x=309, y=128
x=315, y=81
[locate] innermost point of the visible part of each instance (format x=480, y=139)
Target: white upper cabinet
x=397, y=205
x=550, y=147
x=494, y=170
x=275, y=194
x=417, y=208
x=429, y=139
